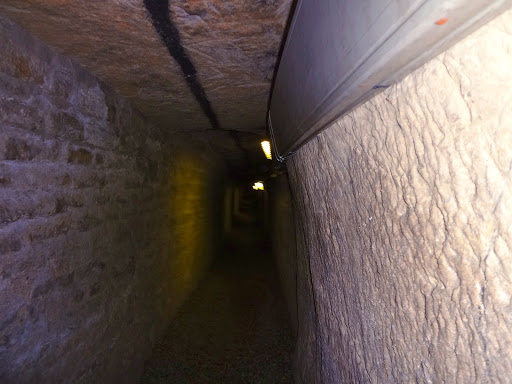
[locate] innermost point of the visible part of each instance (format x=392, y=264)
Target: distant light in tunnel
x=258, y=186
x=265, y=145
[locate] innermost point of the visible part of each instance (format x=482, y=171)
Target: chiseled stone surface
x=105, y=224
x=233, y=45
x=405, y=227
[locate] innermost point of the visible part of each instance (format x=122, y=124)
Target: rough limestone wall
x=404, y=217
x=105, y=224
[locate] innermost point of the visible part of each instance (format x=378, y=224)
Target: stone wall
x=404, y=227
x=106, y=223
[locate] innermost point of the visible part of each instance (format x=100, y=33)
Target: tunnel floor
x=234, y=328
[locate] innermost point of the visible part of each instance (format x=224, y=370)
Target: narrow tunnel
x=147, y=237
x=235, y=326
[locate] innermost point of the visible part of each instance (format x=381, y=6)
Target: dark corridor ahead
x=235, y=327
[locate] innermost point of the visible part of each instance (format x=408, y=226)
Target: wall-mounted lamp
x=258, y=186
x=265, y=145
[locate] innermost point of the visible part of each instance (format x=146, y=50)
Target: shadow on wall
x=284, y=243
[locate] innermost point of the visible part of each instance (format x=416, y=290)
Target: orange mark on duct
x=442, y=21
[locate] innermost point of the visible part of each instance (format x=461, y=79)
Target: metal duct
x=340, y=53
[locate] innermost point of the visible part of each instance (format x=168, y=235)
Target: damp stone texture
x=106, y=222
x=404, y=222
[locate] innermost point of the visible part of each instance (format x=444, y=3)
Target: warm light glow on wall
x=265, y=145
x=258, y=186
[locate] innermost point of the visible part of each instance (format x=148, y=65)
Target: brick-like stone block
x=80, y=156
x=91, y=266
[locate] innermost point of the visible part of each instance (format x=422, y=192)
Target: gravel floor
x=234, y=328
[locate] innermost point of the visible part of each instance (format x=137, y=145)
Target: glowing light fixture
x=258, y=186
x=265, y=145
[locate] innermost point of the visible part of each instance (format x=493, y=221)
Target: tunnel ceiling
x=197, y=66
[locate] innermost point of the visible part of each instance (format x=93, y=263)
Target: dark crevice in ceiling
x=170, y=35
x=159, y=11
x=225, y=50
